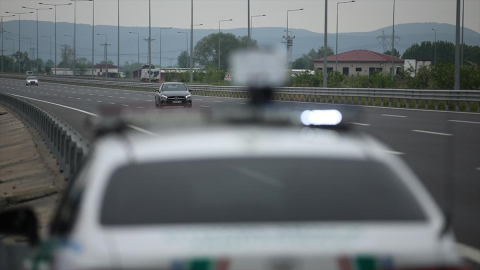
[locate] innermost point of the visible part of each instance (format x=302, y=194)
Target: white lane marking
x=205, y=106
x=241, y=103
x=393, y=152
x=392, y=115
x=467, y=122
x=198, y=99
x=122, y=97
x=360, y=124
x=141, y=107
x=431, y=132
x=69, y=97
x=101, y=95
x=78, y=98
x=110, y=96
x=469, y=253
x=90, y=94
x=74, y=92
x=134, y=98
x=99, y=101
x=85, y=112
x=478, y=169
x=218, y=101
x=125, y=105
x=148, y=100
x=89, y=99
x=111, y=103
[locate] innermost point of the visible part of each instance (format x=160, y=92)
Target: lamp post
x=55, y=7
x=1, y=31
x=251, y=22
x=463, y=28
x=37, y=9
x=325, y=45
x=219, y=23
x=138, y=46
x=13, y=52
x=393, y=40
x=50, y=39
x=336, y=42
x=161, y=28
x=75, y=33
x=191, y=45
x=435, y=45
x=19, y=28
x=249, y=26
x=186, y=35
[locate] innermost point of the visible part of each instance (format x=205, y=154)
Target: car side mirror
x=21, y=222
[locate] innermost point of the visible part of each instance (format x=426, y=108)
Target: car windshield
x=32, y=78
x=174, y=87
x=256, y=190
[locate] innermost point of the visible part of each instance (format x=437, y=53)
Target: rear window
x=256, y=190
x=174, y=87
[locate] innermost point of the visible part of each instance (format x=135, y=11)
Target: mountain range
x=174, y=43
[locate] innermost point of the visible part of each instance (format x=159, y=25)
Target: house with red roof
x=361, y=62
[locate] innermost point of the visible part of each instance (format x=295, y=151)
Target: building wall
x=352, y=67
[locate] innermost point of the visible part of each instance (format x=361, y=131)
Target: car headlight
x=188, y=96
x=164, y=97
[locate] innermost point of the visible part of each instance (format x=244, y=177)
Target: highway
x=419, y=137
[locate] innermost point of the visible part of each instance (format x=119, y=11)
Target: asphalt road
x=435, y=144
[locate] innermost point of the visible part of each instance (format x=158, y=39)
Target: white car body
x=31, y=81
x=303, y=246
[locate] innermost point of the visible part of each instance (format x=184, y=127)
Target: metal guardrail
x=66, y=145
x=409, y=98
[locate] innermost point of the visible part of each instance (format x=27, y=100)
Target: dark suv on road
x=173, y=94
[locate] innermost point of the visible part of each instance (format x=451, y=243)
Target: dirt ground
x=29, y=174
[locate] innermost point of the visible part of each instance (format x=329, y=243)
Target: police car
x=244, y=189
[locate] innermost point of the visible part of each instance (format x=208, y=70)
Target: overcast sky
x=364, y=15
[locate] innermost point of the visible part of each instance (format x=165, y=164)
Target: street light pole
x=2, y=31
x=219, y=55
x=251, y=23
x=138, y=46
x=325, y=44
x=19, y=28
x=249, y=26
x=435, y=50
x=161, y=28
x=68, y=60
x=336, y=42
x=191, y=47
x=457, y=48
x=186, y=35
x=463, y=35
x=36, y=9
x=55, y=7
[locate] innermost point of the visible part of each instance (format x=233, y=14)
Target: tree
x=183, y=60
x=8, y=63
x=395, y=53
x=109, y=62
x=48, y=67
x=21, y=59
x=206, y=50
x=82, y=65
x=66, y=57
x=329, y=52
x=301, y=63
x=306, y=60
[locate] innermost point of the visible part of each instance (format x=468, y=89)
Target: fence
x=67, y=146
x=464, y=100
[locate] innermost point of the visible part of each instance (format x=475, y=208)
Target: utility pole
x=393, y=41
x=68, y=64
x=105, y=46
x=457, y=48
x=50, y=39
x=138, y=46
x=149, y=41
x=289, y=40
x=118, y=38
